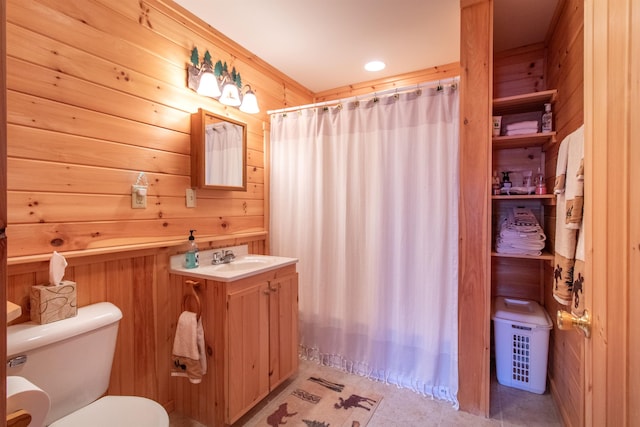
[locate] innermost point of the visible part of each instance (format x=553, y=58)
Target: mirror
x=218, y=152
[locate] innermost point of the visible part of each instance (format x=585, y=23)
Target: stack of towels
x=520, y=234
x=522, y=128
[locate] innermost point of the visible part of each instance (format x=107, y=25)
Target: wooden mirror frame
x=199, y=121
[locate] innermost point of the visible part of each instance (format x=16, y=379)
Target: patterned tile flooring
x=402, y=407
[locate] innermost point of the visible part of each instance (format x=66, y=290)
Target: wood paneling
x=558, y=65
x=611, y=179
x=565, y=72
x=400, y=81
x=97, y=94
x=519, y=71
x=474, y=290
x=3, y=202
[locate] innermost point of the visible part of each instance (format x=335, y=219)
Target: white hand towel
x=189, y=352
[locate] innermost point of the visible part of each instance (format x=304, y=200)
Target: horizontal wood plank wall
x=96, y=94
x=565, y=71
x=519, y=71
x=400, y=81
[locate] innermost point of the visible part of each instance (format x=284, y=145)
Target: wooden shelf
x=545, y=199
x=523, y=103
x=543, y=140
x=546, y=256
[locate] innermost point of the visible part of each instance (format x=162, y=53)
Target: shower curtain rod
x=436, y=83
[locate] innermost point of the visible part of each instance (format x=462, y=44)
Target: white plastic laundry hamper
x=521, y=331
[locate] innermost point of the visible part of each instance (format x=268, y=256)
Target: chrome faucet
x=222, y=257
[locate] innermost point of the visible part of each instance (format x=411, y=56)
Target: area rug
x=318, y=402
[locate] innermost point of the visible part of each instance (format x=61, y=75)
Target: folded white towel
x=525, y=131
x=529, y=124
x=189, y=352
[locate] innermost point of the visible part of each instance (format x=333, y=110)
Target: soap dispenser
x=191, y=257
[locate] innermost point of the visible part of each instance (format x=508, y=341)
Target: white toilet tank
x=69, y=359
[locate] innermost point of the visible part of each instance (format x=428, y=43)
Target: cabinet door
x=283, y=328
x=248, y=348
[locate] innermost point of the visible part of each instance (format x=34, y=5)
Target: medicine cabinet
x=218, y=152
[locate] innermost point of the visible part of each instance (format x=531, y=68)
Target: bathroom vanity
x=249, y=310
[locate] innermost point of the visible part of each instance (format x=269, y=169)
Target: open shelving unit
x=512, y=273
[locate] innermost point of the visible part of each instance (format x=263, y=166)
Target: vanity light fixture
x=207, y=79
x=249, y=102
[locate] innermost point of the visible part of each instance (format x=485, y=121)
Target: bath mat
x=320, y=402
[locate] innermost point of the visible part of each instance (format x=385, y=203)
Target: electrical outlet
x=138, y=196
x=191, y=198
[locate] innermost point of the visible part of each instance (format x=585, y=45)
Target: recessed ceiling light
x=374, y=66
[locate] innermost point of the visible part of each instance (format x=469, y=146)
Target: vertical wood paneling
x=474, y=218
x=565, y=72
x=3, y=201
x=611, y=81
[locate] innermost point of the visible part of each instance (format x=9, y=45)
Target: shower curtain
x=365, y=194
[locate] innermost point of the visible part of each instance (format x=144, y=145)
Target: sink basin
x=241, y=267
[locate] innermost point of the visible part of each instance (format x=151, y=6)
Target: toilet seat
x=110, y=411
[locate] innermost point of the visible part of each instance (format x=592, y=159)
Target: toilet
x=68, y=363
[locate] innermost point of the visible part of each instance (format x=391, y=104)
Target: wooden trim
x=3, y=200
x=135, y=247
x=474, y=285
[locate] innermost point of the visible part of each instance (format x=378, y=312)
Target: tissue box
x=52, y=303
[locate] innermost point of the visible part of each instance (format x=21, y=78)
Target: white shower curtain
x=366, y=196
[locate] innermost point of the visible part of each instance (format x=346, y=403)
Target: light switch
x=191, y=198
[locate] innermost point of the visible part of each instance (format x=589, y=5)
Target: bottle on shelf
x=539, y=182
x=495, y=186
x=506, y=183
x=547, y=119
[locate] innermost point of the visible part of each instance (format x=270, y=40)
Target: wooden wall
x=3, y=201
x=565, y=71
x=558, y=65
x=96, y=94
x=474, y=289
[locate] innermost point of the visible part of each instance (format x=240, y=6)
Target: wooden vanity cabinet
x=251, y=328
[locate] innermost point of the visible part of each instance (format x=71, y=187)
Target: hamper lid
x=523, y=311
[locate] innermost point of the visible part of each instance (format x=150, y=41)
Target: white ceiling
x=325, y=44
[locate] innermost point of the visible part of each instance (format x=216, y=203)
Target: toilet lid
x=123, y=411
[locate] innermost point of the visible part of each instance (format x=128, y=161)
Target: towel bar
x=193, y=285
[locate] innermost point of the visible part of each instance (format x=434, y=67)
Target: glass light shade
x=208, y=85
x=230, y=95
x=250, y=103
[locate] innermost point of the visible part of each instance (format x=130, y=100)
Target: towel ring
x=194, y=294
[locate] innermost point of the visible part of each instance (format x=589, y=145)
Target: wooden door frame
x=3, y=200
x=612, y=211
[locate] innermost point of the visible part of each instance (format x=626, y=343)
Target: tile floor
x=402, y=407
